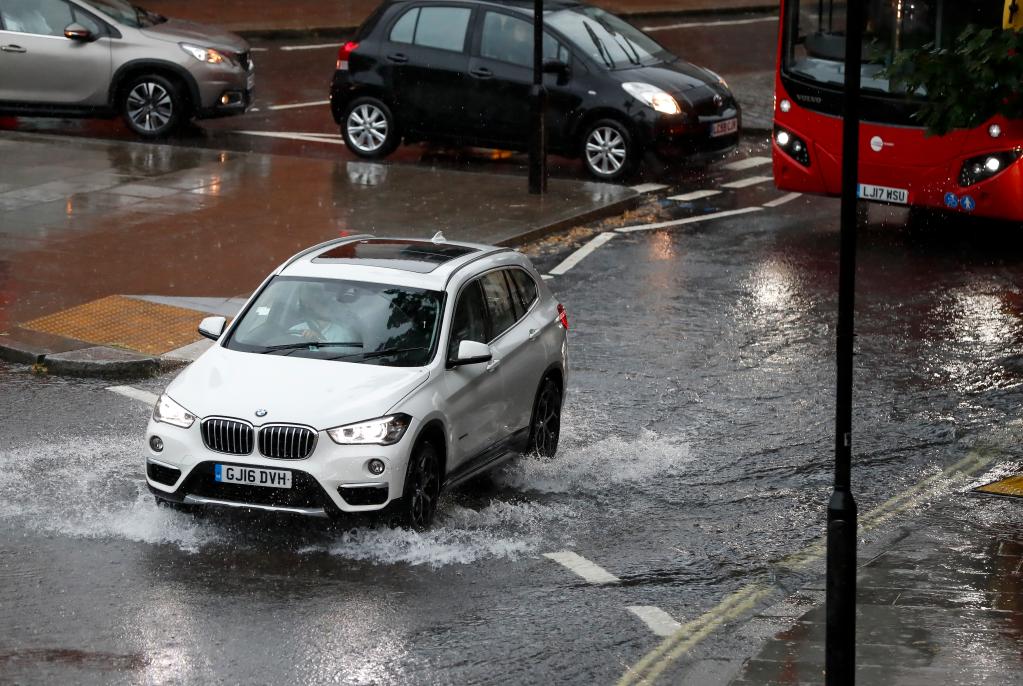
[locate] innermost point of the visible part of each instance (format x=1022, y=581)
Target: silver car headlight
x=383, y=431
x=653, y=97
x=169, y=412
x=207, y=55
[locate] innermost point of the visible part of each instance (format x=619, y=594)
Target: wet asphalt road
x=696, y=456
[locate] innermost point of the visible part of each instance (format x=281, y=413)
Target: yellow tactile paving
x=1011, y=486
x=123, y=322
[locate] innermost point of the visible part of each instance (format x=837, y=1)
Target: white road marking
x=656, y=619
x=688, y=220
x=317, y=46
x=259, y=49
x=649, y=187
x=135, y=394
x=580, y=565
x=546, y=277
x=696, y=24
x=749, y=181
x=295, y=105
x=695, y=195
x=782, y=200
x=576, y=257
x=748, y=163
x=308, y=138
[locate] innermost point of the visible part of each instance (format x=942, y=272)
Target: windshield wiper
x=601, y=48
x=379, y=353
x=313, y=344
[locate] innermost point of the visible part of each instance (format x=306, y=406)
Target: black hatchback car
x=460, y=72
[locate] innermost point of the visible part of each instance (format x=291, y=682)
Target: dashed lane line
x=656, y=619
x=579, y=565
x=304, y=137
x=688, y=220
x=649, y=187
x=316, y=46
x=653, y=664
x=748, y=163
x=295, y=105
x=698, y=24
x=748, y=181
x=695, y=195
x=777, y=202
x=135, y=394
x=580, y=254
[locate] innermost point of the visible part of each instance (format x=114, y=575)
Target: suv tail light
x=343, y=53
x=563, y=316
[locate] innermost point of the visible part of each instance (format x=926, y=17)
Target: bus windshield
x=815, y=35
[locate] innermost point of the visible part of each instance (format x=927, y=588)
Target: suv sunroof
x=412, y=256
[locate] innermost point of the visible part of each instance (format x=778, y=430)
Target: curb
x=97, y=361
x=616, y=207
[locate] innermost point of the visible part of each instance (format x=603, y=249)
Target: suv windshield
x=607, y=39
x=815, y=36
x=126, y=13
x=331, y=319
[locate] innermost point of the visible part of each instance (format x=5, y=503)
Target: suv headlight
x=383, y=431
x=653, y=97
x=169, y=412
x=207, y=55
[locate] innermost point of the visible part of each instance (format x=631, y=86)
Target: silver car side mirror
x=212, y=327
x=471, y=352
x=77, y=32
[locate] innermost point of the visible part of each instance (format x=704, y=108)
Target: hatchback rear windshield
x=607, y=39
x=333, y=319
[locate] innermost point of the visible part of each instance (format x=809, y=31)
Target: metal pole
x=840, y=650
x=538, y=102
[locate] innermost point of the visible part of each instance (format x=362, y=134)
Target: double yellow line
x=653, y=664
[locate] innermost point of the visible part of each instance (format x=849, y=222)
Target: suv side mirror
x=471, y=352
x=557, y=67
x=212, y=327
x=77, y=32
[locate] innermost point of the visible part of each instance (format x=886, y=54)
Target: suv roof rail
x=496, y=250
x=324, y=244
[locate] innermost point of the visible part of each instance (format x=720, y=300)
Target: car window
x=499, y=302
x=524, y=286
x=509, y=39
x=469, y=322
x=42, y=17
x=441, y=27
x=404, y=29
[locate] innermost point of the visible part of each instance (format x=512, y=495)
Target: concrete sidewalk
x=267, y=17
x=89, y=231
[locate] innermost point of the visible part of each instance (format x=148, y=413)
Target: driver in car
x=322, y=317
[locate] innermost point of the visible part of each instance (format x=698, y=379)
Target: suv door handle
x=398, y=57
x=493, y=364
x=13, y=48
x=481, y=73
x=534, y=334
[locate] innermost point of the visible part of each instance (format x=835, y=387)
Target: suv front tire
x=152, y=105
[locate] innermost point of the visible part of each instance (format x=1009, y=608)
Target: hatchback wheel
x=152, y=106
x=422, y=487
x=608, y=150
x=545, y=426
x=369, y=129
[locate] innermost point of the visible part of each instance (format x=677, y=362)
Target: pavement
x=336, y=16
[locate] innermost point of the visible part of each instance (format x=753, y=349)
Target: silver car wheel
x=605, y=150
x=367, y=127
x=150, y=106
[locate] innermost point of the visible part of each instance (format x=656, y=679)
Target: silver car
x=101, y=58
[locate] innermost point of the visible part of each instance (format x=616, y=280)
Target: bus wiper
x=601, y=48
x=313, y=345
x=379, y=353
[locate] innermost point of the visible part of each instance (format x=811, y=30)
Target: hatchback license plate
x=251, y=476
x=723, y=128
x=899, y=196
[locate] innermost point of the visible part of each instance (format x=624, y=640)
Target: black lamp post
x=840, y=650
x=538, y=109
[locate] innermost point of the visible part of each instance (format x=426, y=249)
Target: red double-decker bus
x=976, y=171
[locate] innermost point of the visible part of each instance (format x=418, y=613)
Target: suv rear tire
x=152, y=105
x=369, y=129
x=609, y=150
x=545, y=422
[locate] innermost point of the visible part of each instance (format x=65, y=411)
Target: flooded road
x=696, y=457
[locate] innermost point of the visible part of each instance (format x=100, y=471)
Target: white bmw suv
x=366, y=374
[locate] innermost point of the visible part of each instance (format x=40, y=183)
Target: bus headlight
x=793, y=146
x=983, y=167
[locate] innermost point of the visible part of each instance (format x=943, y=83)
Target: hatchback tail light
x=563, y=316
x=343, y=53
